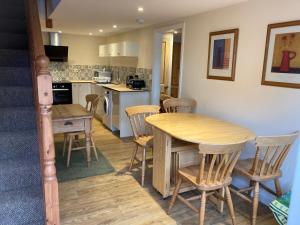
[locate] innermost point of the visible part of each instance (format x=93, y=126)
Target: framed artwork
x=222, y=54
x=282, y=55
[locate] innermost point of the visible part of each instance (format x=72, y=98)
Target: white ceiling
x=88, y=16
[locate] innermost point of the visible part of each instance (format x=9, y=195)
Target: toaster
x=137, y=84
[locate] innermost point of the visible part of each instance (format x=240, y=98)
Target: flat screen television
x=57, y=53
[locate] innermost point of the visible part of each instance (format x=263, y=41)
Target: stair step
x=22, y=207
x=12, y=9
x=14, y=58
x=17, y=118
x=16, y=26
x=18, y=144
x=13, y=41
x=15, y=76
x=16, y=96
x=19, y=173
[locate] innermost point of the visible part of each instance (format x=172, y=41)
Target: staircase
x=21, y=188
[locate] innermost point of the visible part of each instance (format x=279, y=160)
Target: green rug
x=78, y=165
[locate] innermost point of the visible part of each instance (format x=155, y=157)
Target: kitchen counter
x=83, y=81
x=121, y=88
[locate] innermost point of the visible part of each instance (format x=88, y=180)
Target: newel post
x=45, y=100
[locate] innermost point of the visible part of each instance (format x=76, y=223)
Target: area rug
x=78, y=166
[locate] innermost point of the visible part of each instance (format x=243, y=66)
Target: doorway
x=170, y=63
x=167, y=63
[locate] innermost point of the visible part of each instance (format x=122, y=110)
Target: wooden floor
x=118, y=198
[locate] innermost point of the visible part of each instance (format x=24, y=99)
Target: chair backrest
x=179, y=105
x=92, y=101
x=137, y=115
x=271, y=152
x=217, y=162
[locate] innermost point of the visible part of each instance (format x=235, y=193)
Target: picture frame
x=282, y=55
x=222, y=53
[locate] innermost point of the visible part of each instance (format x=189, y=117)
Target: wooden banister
x=42, y=88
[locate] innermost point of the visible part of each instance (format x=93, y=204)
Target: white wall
x=264, y=109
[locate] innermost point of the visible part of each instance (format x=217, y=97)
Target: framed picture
x=282, y=55
x=222, y=54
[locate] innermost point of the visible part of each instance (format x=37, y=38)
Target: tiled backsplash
x=64, y=71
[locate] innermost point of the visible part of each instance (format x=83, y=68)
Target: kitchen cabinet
x=125, y=48
x=99, y=90
x=79, y=91
x=121, y=100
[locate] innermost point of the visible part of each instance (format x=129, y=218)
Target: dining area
x=192, y=152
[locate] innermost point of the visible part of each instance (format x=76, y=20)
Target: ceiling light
x=175, y=32
x=60, y=31
x=100, y=30
x=115, y=26
x=90, y=34
x=140, y=9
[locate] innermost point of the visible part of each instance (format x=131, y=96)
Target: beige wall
x=264, y=109
x=144, y=37
x=83, y=49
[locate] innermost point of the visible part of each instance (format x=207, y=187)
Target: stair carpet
x=21, y=194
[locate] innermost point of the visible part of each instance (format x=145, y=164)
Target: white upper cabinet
x=124, y=48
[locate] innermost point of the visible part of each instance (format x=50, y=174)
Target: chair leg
x=95, y=149
x=202, y=208
x=255, y=202
x=69, y=150
x=143, y=166
x=175, y=193
x=133, y=157
x=221, y=205
x=230, y=205
x=65, y=144
x=278, y=187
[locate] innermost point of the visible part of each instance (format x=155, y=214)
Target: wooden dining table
x=73, y=118
x=189, y=128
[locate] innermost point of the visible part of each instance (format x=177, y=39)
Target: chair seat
x=191, y=172
x=145, y=141
x=243, y=167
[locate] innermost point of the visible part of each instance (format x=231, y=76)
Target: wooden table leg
x=162, y=144
x=88, y=140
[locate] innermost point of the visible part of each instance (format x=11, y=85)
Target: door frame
x=158, y=36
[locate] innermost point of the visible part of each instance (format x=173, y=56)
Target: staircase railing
x=42, y=88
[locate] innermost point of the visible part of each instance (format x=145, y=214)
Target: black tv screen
x=57, y=53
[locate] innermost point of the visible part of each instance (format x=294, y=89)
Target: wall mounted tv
x=57, y=53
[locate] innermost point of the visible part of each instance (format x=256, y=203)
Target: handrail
x=42, y=88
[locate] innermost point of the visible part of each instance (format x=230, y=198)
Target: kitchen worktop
x=83, y=81
x=121, y=88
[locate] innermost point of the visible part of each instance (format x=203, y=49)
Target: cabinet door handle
x=68, y=123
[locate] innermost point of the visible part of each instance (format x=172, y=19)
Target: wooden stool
x=270, y=155
x=142, y=132
x=211, y=175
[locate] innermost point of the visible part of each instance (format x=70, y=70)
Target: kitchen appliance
x=102, y=76
x=107, y=109
x=62, y=93
x=133, y=82
x=55, y=51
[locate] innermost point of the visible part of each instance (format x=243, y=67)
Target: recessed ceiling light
x=100, y=30
x=90, y=34
x=60, y=31
x=140, y=9
x=175, y=32
x=115, y=26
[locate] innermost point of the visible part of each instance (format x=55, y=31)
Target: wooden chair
x=179, y=105
x=92, y=101
x=210, y=176
x=270, y=154
x=142, y=132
